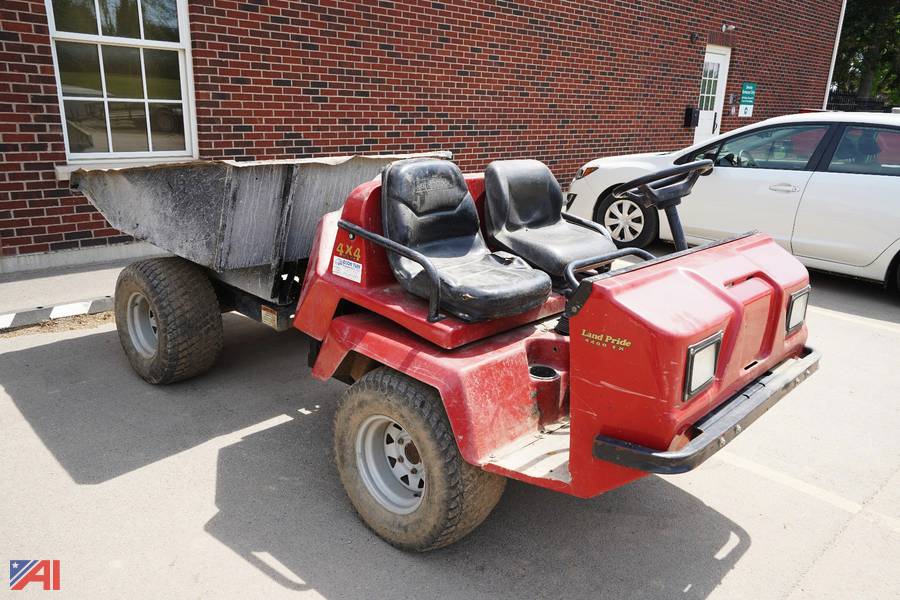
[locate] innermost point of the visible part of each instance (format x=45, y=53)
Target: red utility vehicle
x=485, y=336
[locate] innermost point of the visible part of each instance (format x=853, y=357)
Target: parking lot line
x=835, y=500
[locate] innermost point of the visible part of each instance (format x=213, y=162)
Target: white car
x=826, y=186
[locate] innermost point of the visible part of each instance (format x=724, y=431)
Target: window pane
x=79, y=69
x=120, y=18
x=163, y=79
x=787, y=148
x=867, y=150
x=85, y=126
x=167, y=126
x=129, y=126
x=75, y=15
x=122, y=67
x=160, y=20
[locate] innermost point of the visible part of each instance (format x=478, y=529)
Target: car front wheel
x=630, y=224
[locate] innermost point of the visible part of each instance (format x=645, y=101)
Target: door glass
x=867, y=150
x=786, y=148
x=708, y=85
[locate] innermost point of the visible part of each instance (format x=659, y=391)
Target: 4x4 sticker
x=348, y=251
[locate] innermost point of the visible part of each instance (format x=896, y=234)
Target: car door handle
x=785, y=188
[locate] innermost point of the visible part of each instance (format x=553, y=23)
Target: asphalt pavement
x=224, y=487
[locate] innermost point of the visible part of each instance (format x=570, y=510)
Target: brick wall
x=563, y=82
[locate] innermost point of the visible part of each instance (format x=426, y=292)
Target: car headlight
x=584, y=172
x=701, y=365
x=796, y=310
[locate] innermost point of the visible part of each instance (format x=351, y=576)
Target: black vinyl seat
x=523, y=210
x=426, y=206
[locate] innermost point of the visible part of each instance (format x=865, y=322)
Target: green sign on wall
x=748, y=99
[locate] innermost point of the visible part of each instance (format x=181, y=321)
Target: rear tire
x=390, y=433
x=168, y=319
x=630, y=224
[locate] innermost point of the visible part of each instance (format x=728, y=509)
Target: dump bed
x=243, y=220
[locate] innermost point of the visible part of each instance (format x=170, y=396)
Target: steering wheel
x=745, y=159
x=666, y=187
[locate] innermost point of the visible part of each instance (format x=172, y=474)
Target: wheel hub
x=390, y=465
x=624, y=220
x=142, y=326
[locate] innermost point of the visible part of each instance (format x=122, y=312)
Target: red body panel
x=621, y=373
x=632, y=389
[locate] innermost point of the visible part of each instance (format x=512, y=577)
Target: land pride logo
x=605, y=340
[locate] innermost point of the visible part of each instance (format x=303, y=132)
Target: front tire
x=400, y=465
x=630, y=224
x=168, y=319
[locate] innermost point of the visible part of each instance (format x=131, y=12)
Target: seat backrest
x=520, y=193
x=425, y=201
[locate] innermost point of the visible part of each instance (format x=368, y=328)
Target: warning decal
x=347, y=269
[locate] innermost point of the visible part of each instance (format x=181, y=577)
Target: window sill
x=64, y=171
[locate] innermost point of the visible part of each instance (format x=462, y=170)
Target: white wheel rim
x=624, y=220
x=390, y=465
x=142, y=327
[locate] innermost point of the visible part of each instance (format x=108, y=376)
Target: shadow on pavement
x=854, y=296
x=100, y=420
x=282, y=508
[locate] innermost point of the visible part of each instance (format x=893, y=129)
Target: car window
x=787, y=148
x=867, y=150
x=709, y=152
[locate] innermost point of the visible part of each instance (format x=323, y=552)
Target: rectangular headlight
x=701, y=365
x=796, y=310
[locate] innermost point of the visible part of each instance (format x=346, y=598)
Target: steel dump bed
x=243, y=220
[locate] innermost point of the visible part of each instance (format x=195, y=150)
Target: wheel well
x=892, y=277
x=600, y=199
x=354, y=366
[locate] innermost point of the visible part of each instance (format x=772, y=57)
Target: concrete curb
x=39, y=314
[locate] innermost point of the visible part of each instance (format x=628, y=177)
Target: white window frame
x=81, y=159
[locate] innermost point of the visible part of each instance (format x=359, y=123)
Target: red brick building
x=113, y=82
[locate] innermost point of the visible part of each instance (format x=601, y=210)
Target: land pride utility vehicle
x=482, y=330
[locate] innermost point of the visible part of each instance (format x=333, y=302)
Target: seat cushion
x=552, y=247
x=524, y=216
x=480, y=286
x=426, y=206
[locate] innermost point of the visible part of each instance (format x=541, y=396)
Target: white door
x=712, y=92
x=757, y=184
x=851, y=211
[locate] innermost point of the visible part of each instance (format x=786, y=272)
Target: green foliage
x=868, y=59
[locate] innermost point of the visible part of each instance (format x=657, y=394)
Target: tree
x=868, y=59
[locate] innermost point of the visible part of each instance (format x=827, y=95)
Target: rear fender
x=485, y=387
